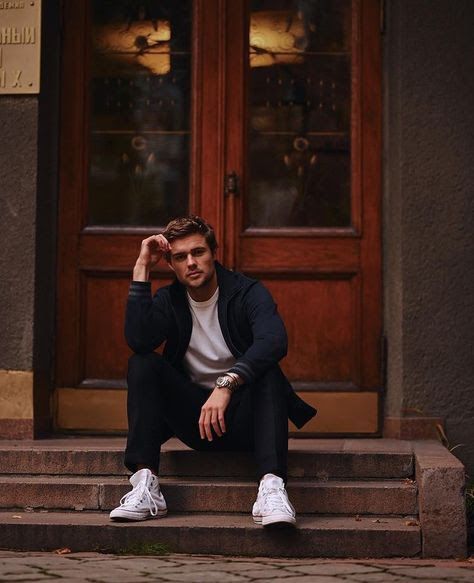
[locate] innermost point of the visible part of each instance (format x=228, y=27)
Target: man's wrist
x=238, y=379
x=141, y=272
x=228, y=381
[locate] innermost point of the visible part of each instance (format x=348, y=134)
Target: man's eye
x=198, y=252
x=179, y=257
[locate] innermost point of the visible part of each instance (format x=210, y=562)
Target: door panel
x=105, y=353
x=221, y=111
x=320, y=317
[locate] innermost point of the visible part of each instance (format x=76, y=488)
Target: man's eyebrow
x=198, y=248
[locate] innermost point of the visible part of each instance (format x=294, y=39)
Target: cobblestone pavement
x=102, y=568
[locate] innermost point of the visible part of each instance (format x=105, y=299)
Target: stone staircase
x=354, y=498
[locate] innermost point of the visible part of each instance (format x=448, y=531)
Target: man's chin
x=195, y=282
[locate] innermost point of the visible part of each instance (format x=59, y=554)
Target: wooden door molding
x=371, y=179
x=71, y=182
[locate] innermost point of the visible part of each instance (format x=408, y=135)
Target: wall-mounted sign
x=20, y=46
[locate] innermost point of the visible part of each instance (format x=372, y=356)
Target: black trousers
x=163, y=403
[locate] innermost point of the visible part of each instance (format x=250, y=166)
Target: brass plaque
x=20, y=46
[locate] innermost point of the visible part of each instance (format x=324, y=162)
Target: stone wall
x=28, y=208
x=18, y=165
x=429, y=214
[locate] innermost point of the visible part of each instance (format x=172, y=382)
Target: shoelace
x=274, y=499
x=136, y=496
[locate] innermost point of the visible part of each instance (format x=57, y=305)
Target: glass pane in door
x=300, y=113
x=139, y=111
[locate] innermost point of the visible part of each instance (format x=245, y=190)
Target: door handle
x=231, y=184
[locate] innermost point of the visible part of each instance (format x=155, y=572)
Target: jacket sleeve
x=147, y=319
x=270, y=340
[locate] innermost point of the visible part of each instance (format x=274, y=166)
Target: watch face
x=223, y=382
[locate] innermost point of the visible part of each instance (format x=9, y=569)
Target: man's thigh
x=239, y=435
x=181, y=401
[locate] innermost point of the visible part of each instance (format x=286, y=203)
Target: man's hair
x=184, y=226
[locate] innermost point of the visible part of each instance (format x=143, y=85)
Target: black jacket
x=249, y=320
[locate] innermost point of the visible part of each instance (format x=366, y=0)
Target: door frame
x=211, y=107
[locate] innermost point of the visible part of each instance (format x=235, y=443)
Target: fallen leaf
x=358, y=517
x=16, y=516
x=411, y=522
x=63, y=551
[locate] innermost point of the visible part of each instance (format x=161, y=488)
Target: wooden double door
x=264, y=118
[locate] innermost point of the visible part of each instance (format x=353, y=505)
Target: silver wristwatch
x=226, y=382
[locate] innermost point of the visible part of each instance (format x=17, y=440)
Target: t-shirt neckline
x=206, y=303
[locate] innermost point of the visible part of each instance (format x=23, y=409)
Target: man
x=218, y=385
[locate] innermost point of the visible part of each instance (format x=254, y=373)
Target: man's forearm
x=141, y=272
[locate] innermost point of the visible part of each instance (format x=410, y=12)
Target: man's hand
x=151, y=252
x=212, y=414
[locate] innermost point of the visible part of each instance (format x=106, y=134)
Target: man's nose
x=190, y=259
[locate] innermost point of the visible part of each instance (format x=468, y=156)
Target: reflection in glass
x=139, y=120
x=299, y=126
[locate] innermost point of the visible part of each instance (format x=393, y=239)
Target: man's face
x=193, y=262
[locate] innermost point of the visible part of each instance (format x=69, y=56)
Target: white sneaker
x=144, y=501
x=272, y=506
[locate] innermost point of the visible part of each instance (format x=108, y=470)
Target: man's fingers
x=205, y=424
x=222, y=421
x=201, y=425
x=158, y=240
x=148, y=240
x=215, y=421
x=162, y=242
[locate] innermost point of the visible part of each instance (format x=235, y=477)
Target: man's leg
x=260, y=422
x=270, y=425
x=263, y=414
x=161, y=403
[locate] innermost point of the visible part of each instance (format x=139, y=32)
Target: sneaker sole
x=282, y=521
x=131, y=518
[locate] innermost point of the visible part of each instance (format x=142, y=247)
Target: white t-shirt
x=207, y=356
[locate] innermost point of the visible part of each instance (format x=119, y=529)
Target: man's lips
x=191, y=273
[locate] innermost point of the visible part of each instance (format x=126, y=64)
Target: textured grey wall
x=18, y=165
x=429, y=213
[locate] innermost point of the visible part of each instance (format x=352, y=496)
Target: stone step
x=314, y=536
x=216, y=495
x=318, y=458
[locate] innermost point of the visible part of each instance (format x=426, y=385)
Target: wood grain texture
x=320, y=319
x=71, y=184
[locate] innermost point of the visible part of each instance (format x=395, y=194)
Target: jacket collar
x=229, y=282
